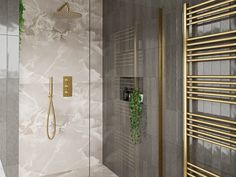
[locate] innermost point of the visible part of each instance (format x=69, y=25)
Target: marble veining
x=2, y=173
x=53, y=46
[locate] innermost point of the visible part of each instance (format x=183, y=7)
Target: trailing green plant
x=135, y=105
x=21, y=16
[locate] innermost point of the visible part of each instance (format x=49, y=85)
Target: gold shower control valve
x=67, y=86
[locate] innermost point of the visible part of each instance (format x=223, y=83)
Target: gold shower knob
x=67, y=86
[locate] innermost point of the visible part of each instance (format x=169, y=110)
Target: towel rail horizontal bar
x=212, y=76
x=211, y=12
x=211, y=82
x=212, y=35
x=211, y=59
x=212, y=88
x=200, y=4
x=190, y=175
x=211, y=18
x=212, y=100
x=212, y=53
x=212, y=130
x=212, y=94
x=209, y=7
x=212, y=118
x=196, y=172
x=212, y=41
x=211, y=47
x=127, y=30
x=213, y=142
x=212, y=124
x=212, y=136
x=199, y=168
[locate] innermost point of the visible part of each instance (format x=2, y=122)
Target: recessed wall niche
x=127, y=84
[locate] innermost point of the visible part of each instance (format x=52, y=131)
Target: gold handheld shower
x=51, y=107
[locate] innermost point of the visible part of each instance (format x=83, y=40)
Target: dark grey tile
x=3, y=139
x=12, y=171
x=13, y=17
x=12, y=122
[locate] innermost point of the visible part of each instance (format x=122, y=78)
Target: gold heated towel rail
x=214, y=129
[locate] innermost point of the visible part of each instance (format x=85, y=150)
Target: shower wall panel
x=57, y=47
x=9, y=86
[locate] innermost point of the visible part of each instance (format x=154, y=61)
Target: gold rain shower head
x=65, y=12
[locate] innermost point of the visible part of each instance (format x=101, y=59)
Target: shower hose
x=51, y=108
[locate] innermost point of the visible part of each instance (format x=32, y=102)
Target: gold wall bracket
x=67, y=86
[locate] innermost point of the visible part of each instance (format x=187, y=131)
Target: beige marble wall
x=57, y=47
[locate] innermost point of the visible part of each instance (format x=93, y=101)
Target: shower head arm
x=66, y=5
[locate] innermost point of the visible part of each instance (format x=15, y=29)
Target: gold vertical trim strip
x=185, y=86
x=160, y=85
x=135, y=58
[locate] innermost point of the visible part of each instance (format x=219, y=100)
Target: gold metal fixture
x=51, y=108
x=67, y=86
x=160, y=86
x=65, y=12
x=185, y=105
x=213, y=129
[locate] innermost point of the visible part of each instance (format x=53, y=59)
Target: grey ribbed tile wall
x=120, y=14
x=9, y=86
x=143, y=16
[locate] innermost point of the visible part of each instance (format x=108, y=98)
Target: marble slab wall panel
x=96, y=52
x=53, y=46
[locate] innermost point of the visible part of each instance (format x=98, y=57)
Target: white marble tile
x=101, y=171
x=56, y=47
x=2, y=172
